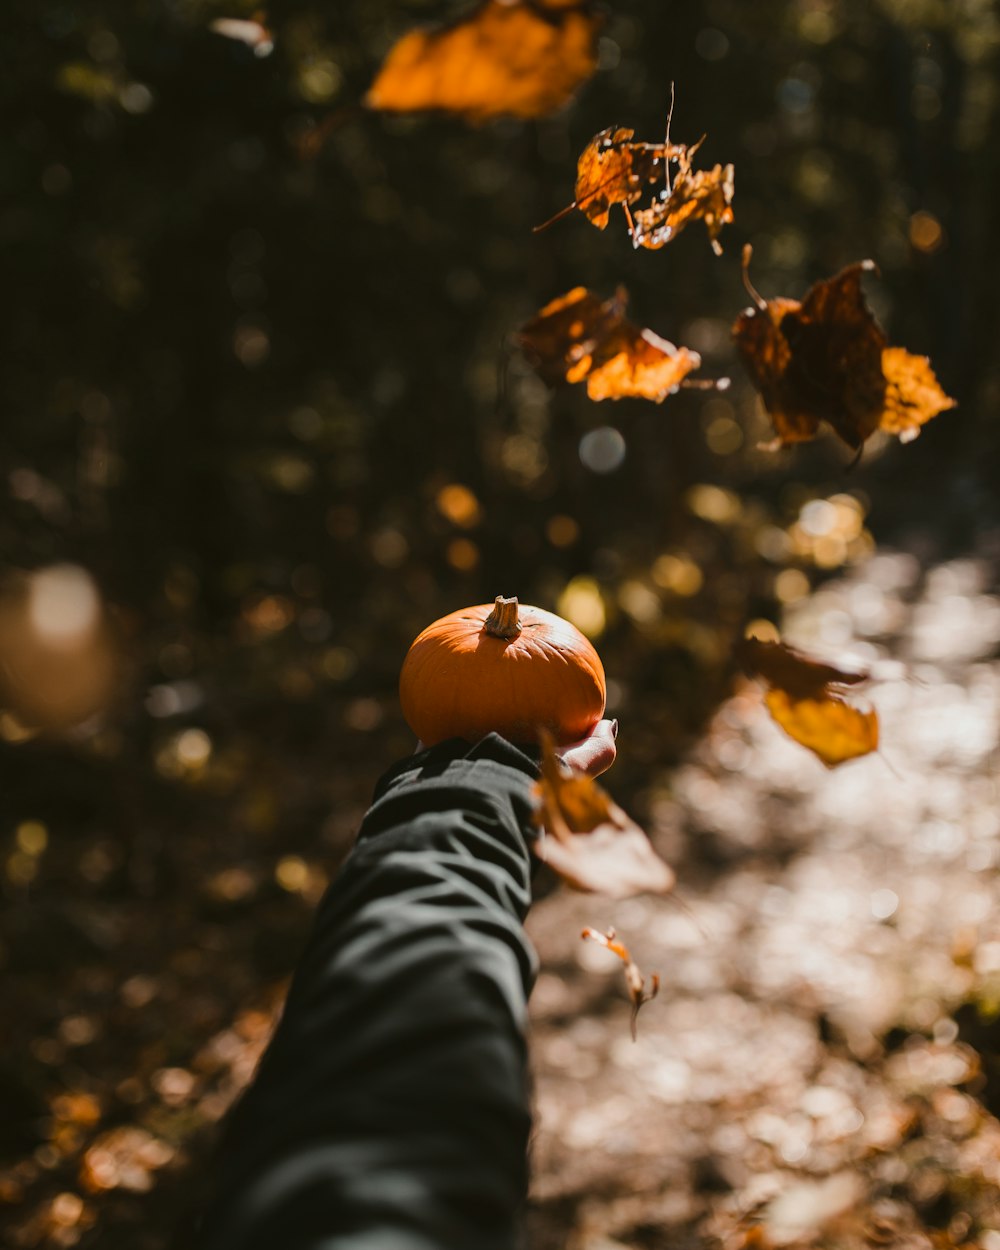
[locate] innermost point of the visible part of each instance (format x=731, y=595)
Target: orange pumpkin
x=501, y=667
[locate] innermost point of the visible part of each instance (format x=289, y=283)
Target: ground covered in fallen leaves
x=820, y=1065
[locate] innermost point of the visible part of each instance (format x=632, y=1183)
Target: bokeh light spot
x=926, y=233
x=136, y=98
x=251, y=345
x=640, y=602
x=795, y=95
x=459, y=505
x=791, y=585
x=63, y=604
x=562, y=531
x=319, y=81
x=389, y=547
x=192, y=748
x=462, y=555
x=292, y=874
x=724, y=436
x=603, y=450
x=340, y=663
x=32, y=837
x=884, y=903
x=582, y=603
x=818, y=517
x=714, y=504
x=677, y=573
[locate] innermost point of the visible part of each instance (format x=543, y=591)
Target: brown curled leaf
x=582, y=805
x=588, y=840
x=805, y=697
x=615, y=169
x=634, y=980
x=791, y=670
x=579, y=337
x=827, y=359
x=505, y=58
x=696, y=195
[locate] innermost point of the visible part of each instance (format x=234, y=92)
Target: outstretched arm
x=390, y=1111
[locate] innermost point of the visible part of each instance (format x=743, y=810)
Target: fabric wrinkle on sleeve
x=391, y=1109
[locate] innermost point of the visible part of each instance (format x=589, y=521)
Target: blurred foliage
x=261, y=405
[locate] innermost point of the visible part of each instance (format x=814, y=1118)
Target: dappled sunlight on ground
x=809, y=1070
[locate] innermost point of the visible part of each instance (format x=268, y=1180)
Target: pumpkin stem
x=502, y=622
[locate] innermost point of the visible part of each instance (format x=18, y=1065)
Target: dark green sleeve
x=390, y=1111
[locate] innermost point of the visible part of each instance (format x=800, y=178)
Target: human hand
x=595, y=753
x=585, y=836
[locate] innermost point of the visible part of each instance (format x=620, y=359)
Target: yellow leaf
x=830, y=728
x=913, y=394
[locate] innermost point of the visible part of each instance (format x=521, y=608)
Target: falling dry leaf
x=560, y=339
x=580, y=337
x=827, y=359
x=804, y=699
x=588, y=840
x=634, y=979
x=506, y=58
x=614, y=169
x=788, y=668
x=830, y=728
x=696, y=195
x=912, y=394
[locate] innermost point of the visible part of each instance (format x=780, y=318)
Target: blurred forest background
x=263, y=420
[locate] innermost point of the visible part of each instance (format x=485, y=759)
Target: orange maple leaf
x=579, y=337
x=615, y=169
x=612, y=169
x=506, y=58
x=697, y=195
